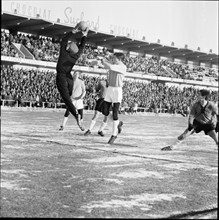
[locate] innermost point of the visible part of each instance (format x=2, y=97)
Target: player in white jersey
x=78, y=93
x=113, y=97
x=203, y=117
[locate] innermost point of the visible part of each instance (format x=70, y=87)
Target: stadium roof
x=42, y=27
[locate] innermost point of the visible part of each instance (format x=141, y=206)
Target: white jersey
x=78, y=89
x=116, y=73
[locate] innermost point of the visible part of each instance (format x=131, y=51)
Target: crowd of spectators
x=26, y=85
x=6, y=48
x=38, y=86
x=47, y=49
x=160, y=97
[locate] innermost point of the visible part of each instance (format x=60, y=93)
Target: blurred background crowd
x=47, y=49
x=37, y=87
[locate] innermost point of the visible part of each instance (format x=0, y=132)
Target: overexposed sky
x=194, y=23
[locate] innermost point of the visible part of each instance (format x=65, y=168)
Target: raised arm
x=69, y=34
x=82, y=43
x=66, y=38
x=106, y=63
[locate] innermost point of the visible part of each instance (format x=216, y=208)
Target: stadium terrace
x=33, y=45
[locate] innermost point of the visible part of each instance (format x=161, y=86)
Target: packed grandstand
x=154, y=83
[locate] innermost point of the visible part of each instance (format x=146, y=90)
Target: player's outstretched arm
x=75, y=29
x=106, y=63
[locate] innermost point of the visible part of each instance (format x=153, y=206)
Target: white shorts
x=113, y=94
x=78, y=103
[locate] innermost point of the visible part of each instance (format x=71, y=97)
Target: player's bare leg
x=80, y=117
x=185, y=134
x=102, y=126
x=179, y=140
x=116, y=123
x=214, y=136
x=65, y=119
x=92, y=124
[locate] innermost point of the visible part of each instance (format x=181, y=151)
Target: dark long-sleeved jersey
x=205, y=115
x=66, y=61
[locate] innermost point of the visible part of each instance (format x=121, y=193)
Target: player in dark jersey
x=203, y=117
x=78, y=94
x=68, y=55
x=101, y=91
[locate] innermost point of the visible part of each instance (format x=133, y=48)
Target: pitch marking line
x=112, y=151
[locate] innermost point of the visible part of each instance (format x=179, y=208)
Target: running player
x=202, y=118
x=101, y=92
x=117, y=70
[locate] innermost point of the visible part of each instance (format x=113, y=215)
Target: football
x=82, y=25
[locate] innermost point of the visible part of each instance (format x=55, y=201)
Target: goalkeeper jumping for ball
x=203, y=117
x=68, y=56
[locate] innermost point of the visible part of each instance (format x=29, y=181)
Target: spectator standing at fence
x=117, y=70
x=78, y=94
x=203, y=117
x=135, y=108
x=37, y=103
x=68, y=55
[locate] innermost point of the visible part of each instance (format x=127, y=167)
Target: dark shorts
x=99, y=104
x=203, y=127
